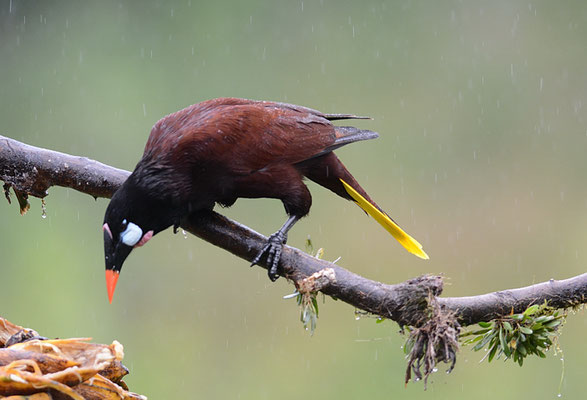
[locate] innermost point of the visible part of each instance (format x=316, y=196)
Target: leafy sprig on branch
x=518, y=335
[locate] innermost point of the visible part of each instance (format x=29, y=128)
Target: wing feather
x=248, y=135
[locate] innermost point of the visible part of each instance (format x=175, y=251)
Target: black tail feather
x=350, y=134
x=334, y=117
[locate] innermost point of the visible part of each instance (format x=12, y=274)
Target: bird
x=219, y=150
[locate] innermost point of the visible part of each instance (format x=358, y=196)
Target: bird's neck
x=154, y=198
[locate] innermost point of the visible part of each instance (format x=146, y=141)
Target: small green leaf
x=484, y=324
x=502, y=340
x=537, y=327
x=507, y=351
x=507, y=326
x=552, y=324
x=522, y=349
x=530, y=348
x=315, y=304
x=480, y=345
x=473, y=340
x=531, y=310
x=480, y=331
x=492, y=353
x=486, y=339
x=525, y=330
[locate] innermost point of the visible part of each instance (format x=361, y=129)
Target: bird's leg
x=274, y=247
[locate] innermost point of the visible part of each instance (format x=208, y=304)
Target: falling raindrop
x=43, y=209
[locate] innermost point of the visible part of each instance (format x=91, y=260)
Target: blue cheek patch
x=131, y=235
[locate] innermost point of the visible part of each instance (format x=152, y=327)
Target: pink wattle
x=144, y=239
x=106, y=228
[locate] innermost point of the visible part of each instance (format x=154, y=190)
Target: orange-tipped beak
x=111, y=280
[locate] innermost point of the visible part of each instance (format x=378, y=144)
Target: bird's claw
x=273, y=250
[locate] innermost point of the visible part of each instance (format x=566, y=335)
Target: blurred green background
x=481, y=107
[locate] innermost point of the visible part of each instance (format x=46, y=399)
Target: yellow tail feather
x=405, y=240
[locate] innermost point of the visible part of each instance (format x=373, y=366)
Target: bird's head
x=131, y=219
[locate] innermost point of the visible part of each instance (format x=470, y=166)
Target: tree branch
x=32, y=170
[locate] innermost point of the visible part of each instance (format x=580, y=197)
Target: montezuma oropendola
x=222, y=149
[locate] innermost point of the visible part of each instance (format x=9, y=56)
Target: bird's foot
x=273, y=250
